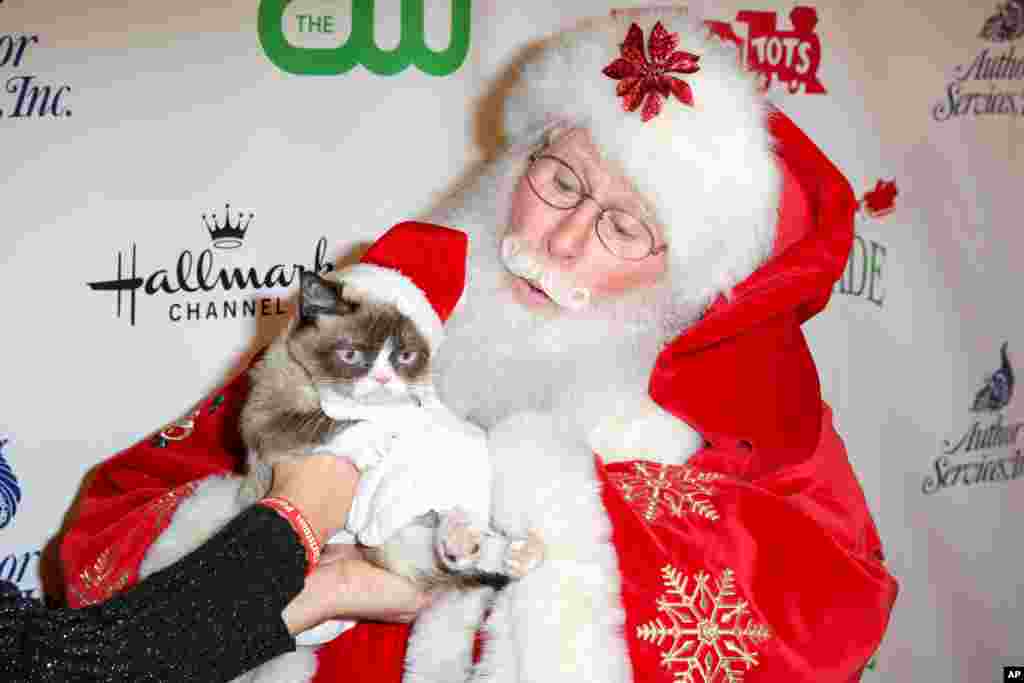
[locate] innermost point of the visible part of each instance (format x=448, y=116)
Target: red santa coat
x=758, y=556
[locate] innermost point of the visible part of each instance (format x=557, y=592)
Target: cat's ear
x=318, y=296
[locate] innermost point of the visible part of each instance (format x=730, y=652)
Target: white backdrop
x=120, y=127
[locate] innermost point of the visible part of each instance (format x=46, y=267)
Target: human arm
x=229, y=606
x=343, y=585
x=346, y=586
x=210, y=616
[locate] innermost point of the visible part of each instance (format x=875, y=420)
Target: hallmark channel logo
x=986, y=452
x=863, y=275
x=790, y=56
x=990, y=84
x=25, y=95
x=310, y=58
x=10, y=489
x=197, y=274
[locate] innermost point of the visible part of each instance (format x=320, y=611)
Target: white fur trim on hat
x=391, y=287
x=709, y=170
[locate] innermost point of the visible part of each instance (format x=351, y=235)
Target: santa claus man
x=641, y=258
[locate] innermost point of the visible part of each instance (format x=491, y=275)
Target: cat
x=351, y=347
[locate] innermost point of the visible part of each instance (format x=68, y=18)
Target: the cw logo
x=361, y=48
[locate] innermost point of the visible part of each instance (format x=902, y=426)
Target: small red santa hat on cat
x=420, y=268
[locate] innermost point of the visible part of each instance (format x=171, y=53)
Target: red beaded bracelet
x=302, y=527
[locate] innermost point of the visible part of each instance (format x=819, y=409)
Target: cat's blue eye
x=351, y=356
x=407, y=357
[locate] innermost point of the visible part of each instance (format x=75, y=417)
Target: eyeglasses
x=558, y=185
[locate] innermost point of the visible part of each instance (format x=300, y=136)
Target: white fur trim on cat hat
x=420, y=268
x=703, y=158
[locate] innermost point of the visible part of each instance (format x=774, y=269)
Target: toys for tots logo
x=197, y=275
x=790, y=56
x=992, y=83
x=985, y=452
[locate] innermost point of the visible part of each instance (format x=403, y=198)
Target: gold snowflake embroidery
x=708, y=631
x=676, y=488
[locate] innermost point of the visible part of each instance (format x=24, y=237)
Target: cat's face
x=357, y=347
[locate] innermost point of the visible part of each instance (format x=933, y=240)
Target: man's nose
x=569, y=235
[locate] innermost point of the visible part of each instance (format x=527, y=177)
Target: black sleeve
x=210, y=617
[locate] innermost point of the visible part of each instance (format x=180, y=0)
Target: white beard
x=500, y=358
x=542, y=384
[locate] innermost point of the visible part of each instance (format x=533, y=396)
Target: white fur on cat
x=412, y=459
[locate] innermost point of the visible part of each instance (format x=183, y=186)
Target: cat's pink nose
x=383, y=379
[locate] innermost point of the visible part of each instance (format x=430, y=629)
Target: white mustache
x=521, y=261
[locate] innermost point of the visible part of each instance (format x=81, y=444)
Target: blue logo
x=10, y=490
x=998, y=388
x=1006, y=24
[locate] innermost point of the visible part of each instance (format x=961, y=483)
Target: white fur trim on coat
x=390, y=286
x=564, y=621
x=643, y=430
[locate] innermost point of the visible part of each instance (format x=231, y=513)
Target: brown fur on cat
x=282, y=418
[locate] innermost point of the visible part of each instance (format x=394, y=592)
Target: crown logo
x=227, y=235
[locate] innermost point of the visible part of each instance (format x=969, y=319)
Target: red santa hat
x=672, y=106
x=420, y=268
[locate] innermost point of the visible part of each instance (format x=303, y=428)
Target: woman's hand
x=321, y=486
x=345, y=586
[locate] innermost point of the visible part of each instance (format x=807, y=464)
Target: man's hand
x=345, y=586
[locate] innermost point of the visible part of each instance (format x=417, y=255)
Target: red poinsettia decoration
x=881, y=199
x=647, y=81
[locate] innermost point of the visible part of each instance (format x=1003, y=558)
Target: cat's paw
x=365, y=458
x=524, y=555
x=375, y=447
x=458, y=540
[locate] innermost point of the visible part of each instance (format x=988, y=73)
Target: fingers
x=334, y=552
x=345, y=586
x=371, y=593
